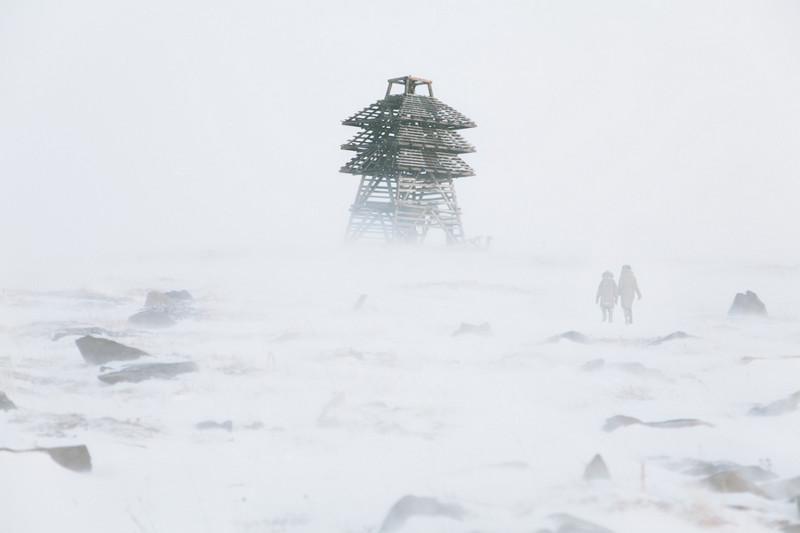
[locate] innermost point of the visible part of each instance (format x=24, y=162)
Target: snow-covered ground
x=337, y=413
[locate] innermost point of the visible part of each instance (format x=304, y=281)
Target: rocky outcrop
x=145, y=371
x=747, y=304
x=98, y=351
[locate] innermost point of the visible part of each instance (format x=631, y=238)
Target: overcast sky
x=605, y=129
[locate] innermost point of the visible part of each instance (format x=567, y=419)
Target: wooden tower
x=407, y=156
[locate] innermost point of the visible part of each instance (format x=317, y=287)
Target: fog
x=170, y=181
x=644, y=129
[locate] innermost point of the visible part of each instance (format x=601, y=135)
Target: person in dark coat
x=628, y=288
x=607, y=296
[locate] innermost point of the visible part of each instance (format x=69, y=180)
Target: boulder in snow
x=98, y=351
x=732, y=481
x=747, y=304
x=162, y=309
x=75, y=457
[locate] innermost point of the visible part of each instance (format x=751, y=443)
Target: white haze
x=157, y=145
x=643, y=129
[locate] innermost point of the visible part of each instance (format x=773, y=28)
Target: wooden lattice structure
x=407, y=154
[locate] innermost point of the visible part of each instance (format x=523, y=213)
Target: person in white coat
x=607, y=296
x=628, y=288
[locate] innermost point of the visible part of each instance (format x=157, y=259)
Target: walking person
x=607, y=296
x=628, y=288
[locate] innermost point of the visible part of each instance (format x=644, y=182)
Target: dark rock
x=152, y=318
x=596, y=469
x=213, y=424
x=747, y=303
x=410, y=506
x=142, y=372
x=482, y=329
x=97, y=351
x=618, y=421
x=778, y=407
x=5, y=402
x=732, y=481
x=75, y=458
